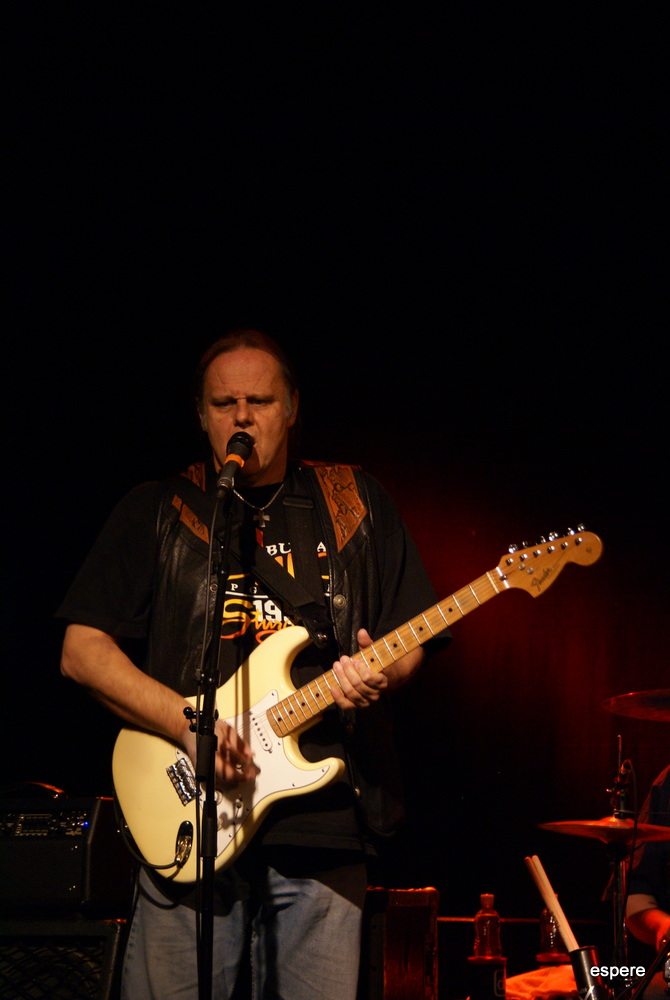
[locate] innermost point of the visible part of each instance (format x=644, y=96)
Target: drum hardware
x=652, y=705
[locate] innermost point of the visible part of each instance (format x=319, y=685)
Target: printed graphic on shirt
x=249, y=611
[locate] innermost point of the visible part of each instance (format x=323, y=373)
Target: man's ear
x=293, y=416
x=203, y=419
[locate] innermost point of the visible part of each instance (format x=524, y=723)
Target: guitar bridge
x=182, y=776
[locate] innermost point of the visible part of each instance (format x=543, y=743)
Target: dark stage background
x=451, y=218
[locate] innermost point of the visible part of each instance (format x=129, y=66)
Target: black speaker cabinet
x=69, y=959
x=399, y=947
x=60, y=856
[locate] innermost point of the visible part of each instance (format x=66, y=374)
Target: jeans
x=304, y=942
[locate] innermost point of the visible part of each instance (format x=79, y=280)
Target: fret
x=485, y=588
x=385, y=653
x=371, y=656
x=466, y=601
x=368, y=656
x=308, y=689
x=336, y=680
x=277, y=721
x=458, y=604
x=388, y=648
x=326, y=697
x=300, y=706
x=439, y=608
x=407, y=637
x=432, y=631
x=399, y=638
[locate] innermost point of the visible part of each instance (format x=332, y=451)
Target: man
x=648, y=903
x=299, y=886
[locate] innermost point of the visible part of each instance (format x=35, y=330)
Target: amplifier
x=61, y=856
x=68, y=959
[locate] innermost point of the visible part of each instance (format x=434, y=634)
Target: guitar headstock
x=535, y=567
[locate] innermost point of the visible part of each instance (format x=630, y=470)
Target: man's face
x=243, y=390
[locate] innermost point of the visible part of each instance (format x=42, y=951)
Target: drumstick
x=534, y=866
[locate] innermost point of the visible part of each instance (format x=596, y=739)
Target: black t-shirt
x=113, y=592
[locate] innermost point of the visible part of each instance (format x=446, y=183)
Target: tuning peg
x=525, y=545
x=513, y=548
x=569, y=531
x=553, y=535
x=581, y=527
x=541, y=540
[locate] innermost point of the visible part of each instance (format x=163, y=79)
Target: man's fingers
x=235, y=756
x=358, y=685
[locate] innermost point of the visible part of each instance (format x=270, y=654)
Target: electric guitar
x=154, y=779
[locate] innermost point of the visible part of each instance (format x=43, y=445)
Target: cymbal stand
x=620, y=854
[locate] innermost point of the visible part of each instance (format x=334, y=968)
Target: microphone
x=238, y=450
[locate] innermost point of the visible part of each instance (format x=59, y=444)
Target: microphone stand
x=205, y=767
x=238, y=450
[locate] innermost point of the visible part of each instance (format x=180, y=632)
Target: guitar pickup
x=182, y=776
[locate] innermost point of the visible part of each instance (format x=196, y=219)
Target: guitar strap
x=307, y=600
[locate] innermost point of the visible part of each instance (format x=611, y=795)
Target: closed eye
x=258, y=401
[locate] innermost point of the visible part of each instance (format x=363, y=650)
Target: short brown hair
x=235, y=340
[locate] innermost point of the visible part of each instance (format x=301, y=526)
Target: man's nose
x=242, y=413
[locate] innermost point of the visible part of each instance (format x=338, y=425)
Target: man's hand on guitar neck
x=358, y=686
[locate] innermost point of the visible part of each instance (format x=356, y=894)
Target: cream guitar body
x=154, y=780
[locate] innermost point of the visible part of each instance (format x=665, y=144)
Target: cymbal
x=611, y=830
x=653, y=705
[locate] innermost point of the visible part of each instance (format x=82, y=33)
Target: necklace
x=260, y=516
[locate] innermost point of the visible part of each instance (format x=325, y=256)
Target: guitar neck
x=308, y=702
